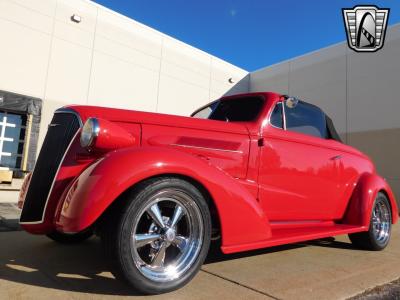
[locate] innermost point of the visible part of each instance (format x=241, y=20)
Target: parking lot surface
x=34, y=267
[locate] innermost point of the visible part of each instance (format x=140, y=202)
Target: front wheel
x=160, y=237
x=378, y=235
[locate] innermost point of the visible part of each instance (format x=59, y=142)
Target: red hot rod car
x=256, y=170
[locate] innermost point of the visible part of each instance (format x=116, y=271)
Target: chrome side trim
x=59, y=166
x=206, y=148
x=284, y=115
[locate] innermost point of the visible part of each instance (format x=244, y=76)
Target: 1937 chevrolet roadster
x=256, y=170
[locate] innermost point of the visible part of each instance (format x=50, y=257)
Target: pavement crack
x=240, y=284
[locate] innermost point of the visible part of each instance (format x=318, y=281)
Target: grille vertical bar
x=62, y=129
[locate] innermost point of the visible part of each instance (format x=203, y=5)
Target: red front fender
x=242, y=219
x=360, y=206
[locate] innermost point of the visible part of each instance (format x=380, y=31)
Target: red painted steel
x=112, y=137
x=237, y=208
x=269, y=186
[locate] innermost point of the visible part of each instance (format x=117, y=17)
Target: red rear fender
x=363, y=197
x=241, y=218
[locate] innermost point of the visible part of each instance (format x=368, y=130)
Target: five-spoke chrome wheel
x=381, y=221
x=157, y=237
x=167, y=235
x=378, y=235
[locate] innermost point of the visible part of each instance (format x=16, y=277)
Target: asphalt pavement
x=34, y=267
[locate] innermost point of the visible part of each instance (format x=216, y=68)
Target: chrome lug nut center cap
x=170, y=235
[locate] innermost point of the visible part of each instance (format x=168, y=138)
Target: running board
x=282, y=236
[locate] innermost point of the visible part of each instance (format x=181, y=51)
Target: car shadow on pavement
x=331, y=242
x=81, y=268
x=9, y=224
x=36, y=261
x=215, y=255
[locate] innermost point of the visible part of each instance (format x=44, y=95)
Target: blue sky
x=250, y=34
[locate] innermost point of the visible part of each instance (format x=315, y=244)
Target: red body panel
x=112, y=137
x=237, y=208
x=301, y=179
x=360, y=205
x=270, y=186
x=228, y=151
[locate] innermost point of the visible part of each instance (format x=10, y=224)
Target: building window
x=13, y=133
x=19, y=131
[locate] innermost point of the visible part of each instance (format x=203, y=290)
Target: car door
x=298, y=170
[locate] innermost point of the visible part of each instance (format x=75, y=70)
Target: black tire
x=121, y=231
x=371, y=240
x=64, y=238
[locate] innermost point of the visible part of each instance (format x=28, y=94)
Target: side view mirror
x=291, y=102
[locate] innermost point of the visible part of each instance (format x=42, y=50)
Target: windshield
x=233, y=110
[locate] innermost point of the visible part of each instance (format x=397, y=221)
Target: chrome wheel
x=167, y=235
x=381, y=221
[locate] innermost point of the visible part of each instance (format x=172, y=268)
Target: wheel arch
x=383, y=191
x=238, y=214
x=362, y=199
x=215, y=216
x=119, y=201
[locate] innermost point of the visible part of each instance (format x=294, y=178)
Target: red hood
x=132, y=116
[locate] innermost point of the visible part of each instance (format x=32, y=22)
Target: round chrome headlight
x=89, y=132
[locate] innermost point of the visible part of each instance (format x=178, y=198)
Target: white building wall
x=106, y=60
x=360, y=91
x=111, y=60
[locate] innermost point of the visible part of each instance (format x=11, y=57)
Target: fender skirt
x=360, y=206
x=241, y=218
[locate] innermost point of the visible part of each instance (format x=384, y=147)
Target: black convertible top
x=332, y=133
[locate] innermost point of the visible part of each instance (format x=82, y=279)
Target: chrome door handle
x=336, y=157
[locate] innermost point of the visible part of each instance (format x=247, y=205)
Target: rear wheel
x=378, y=235
x=159, y=239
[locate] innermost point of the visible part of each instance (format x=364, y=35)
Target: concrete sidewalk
x=9, y=196
x=34, y=267
x=9, y=217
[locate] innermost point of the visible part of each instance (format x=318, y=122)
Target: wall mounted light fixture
x=76, y=18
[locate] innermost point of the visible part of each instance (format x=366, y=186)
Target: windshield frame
x=204, y=107
x=232, y=98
